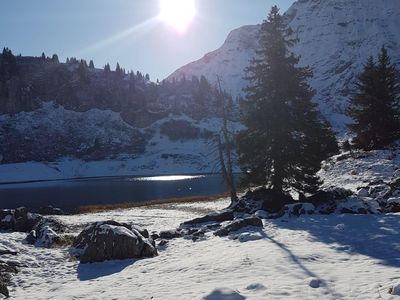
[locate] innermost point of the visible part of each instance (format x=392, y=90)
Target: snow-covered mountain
x=335, y=39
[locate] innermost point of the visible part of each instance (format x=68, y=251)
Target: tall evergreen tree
x=91, y=64
x=285, y=140
x=374, y=107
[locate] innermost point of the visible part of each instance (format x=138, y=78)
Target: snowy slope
x=228, y=62
x=312, y=257
x=335, y=39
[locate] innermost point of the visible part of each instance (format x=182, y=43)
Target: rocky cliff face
x=335, y=39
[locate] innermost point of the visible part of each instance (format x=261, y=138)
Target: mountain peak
x=335, y=39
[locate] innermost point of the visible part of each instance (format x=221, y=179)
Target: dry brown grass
x=107, y=207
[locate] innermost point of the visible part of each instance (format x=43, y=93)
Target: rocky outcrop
x=6, y=270
x=226, y=215
x=262, y=199
x=18, y=219
x=110, y=240
x=47, y=233
x=169, y=234
x=239, y=224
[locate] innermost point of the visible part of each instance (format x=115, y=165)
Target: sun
x=177, y=13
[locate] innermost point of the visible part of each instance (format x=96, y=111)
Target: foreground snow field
x=311, y=257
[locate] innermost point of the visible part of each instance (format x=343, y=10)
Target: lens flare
x=177, y=13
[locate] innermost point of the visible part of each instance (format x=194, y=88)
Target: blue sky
x=123, y=31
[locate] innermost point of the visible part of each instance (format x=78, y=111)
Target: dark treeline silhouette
x=25, y=82
x=375, y=106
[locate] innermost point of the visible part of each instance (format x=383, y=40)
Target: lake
x=70, y=194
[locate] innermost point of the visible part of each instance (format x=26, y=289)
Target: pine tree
x=285, y=140
x=374, y=107
x=91, y=64
x=118, y=68
x=107, y=68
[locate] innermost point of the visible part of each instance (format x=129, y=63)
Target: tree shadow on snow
x=96, y=270
x=376, y=236
x=304, y=269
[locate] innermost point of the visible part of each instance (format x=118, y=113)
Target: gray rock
x=46, y=233
x=162, y=243
x=222, y=216
x=169, y=234
x=262, y=199
x=18, y=219
x=110, y=240
x=3, y=286
x=239, y=224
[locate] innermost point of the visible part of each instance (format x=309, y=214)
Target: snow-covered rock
x=249, y=236
x=18, y=219
x=314, y=283
x=395, y=289
x=335, y=39
x=110, y=240
x=239, y=224
x=46, y=233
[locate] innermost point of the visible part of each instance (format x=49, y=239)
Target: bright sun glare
x=177, y=13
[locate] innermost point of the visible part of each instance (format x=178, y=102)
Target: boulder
x=46, y=233
x=325, y=202
x=363, y=192
x=395, y=289
x=358, y=206
x=239, y=224
x=7, y=219
x=262, y=199
x=169, y=234
x=392, y=205
x=110, y=240
x=3, y=287
x=226, y=215
x=395, y=183
x=18, y=219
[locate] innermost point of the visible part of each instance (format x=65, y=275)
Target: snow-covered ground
x=311, y=257
x=352, y=170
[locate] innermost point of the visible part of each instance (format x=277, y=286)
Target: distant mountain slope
x=335, y=39
x=227, y=62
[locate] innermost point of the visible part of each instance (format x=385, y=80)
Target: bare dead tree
x=225, y=144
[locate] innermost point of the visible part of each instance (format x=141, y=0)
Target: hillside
x=51, y=111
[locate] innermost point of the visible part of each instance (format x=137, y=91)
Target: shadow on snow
x=376, y=236
x=96, y=270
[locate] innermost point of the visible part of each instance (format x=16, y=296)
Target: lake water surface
x=70, y=194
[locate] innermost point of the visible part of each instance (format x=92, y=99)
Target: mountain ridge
x=335, y=39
